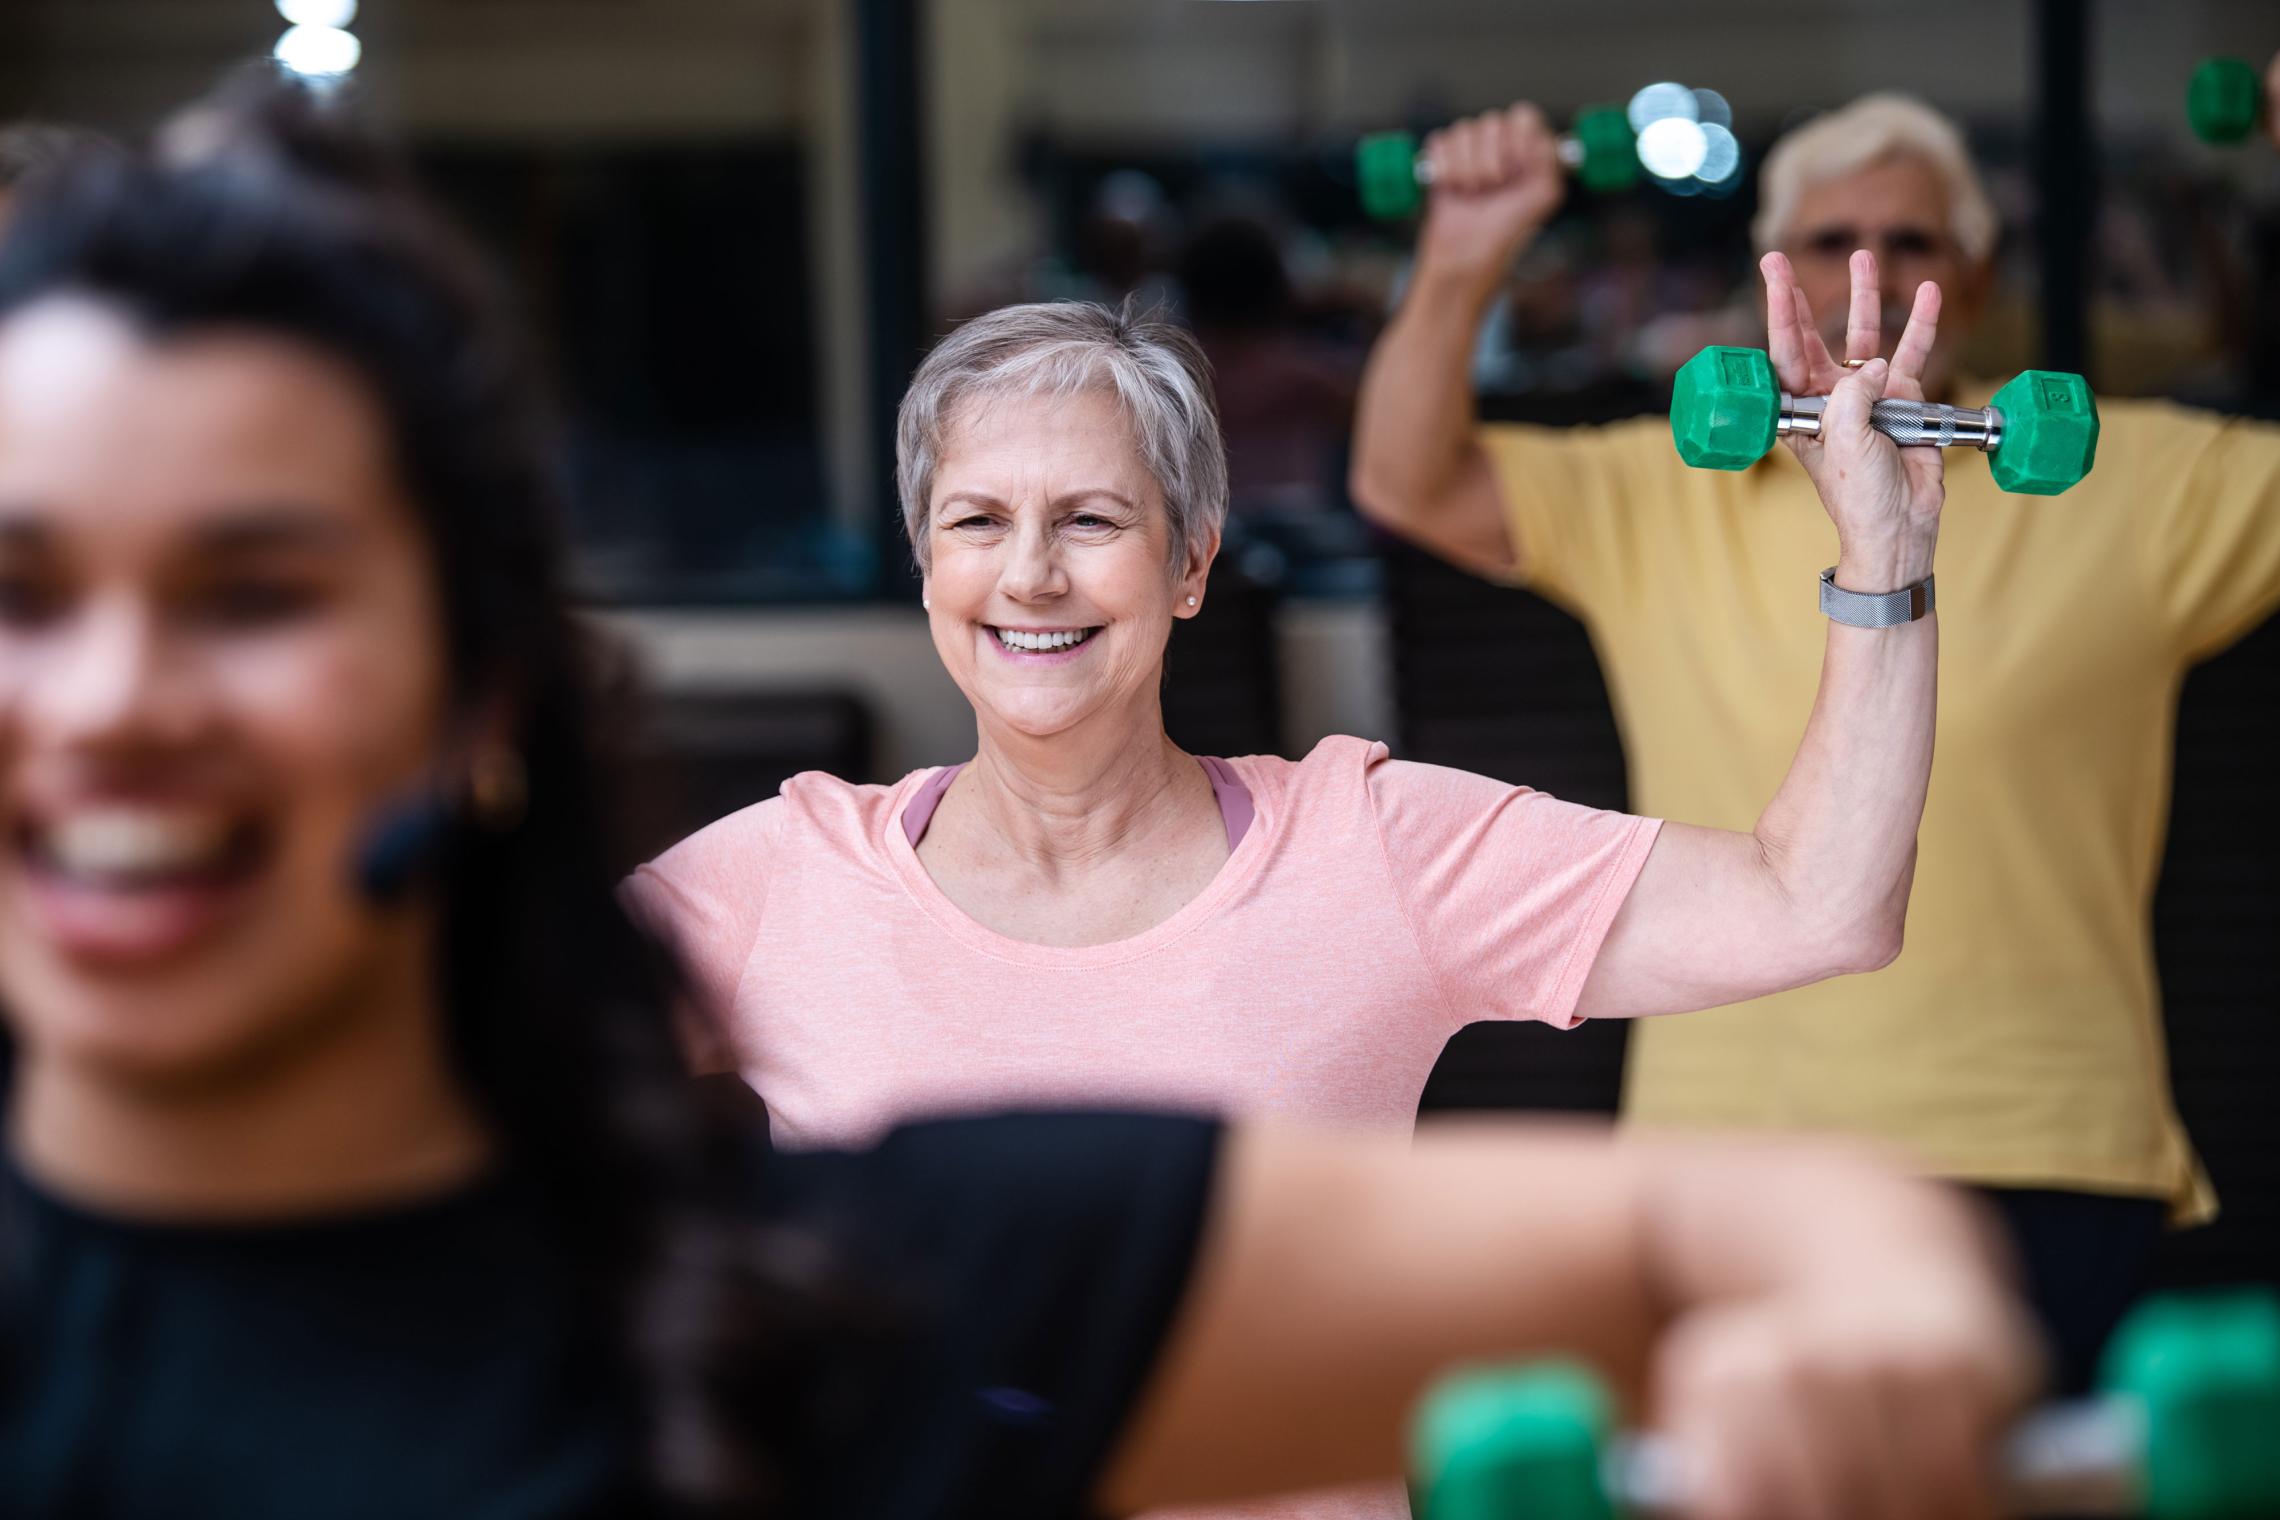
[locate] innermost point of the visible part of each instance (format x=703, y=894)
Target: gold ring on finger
x=1852, y=363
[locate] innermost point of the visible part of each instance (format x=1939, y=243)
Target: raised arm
x=1417, y=468
x=1820, y=887
x=1829, y=1324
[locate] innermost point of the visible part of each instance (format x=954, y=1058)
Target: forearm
x=1339, y=1277
x=1413, y=428
x=1838, y=839
x=1729, y=1220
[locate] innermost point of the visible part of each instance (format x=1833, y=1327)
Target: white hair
x=1154, y=369
x=1873, y=128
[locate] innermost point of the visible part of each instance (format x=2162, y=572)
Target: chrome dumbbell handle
x=1926, y=423
x=2065, y=1459
x=1569, y=148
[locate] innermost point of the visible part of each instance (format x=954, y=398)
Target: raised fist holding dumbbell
x=1885, y=500
x=1496, y=180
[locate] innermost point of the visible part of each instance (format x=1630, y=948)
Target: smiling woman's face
x=220, y=656
x=1053, y=583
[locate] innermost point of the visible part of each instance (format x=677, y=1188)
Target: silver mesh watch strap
x=1885, y=610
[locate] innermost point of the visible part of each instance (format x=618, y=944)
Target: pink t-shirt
x=1371, y=910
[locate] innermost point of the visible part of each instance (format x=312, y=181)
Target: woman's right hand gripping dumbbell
x=1496, y=181
x=1879, y=1403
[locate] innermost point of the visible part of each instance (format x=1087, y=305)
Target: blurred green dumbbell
x=2224, y=101
x=2187, y=1428
x=1601, y=151
x=2040, y=432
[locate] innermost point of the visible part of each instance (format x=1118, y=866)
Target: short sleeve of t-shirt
x=702, y=899
x=1576, y=526
x=1509, y=892
x=1034, y=1264
x=2210, y=516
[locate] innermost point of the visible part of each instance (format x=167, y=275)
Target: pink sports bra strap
x=1235, y=809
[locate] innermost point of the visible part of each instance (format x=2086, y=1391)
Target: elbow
x=1873, y=946
x=1375, y=497
x=1845, y=932
x=1868, y=940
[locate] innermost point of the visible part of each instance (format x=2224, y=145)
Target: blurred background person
x=2017, y=1042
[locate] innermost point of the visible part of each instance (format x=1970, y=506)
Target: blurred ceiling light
x=1721, y=155
x=333, y=13
x=1660, y=102
x=1711, y=109
x=1673, y=148
x=319, y=52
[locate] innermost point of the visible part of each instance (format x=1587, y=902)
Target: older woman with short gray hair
x=1083, y=912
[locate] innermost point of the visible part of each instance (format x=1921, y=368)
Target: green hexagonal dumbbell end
x=2205, y=1370
x=2224, y=100
x=1724, y=406
x=2050, y=432
x=1610, y=149
x=1385, y=170
x=1492, y=1445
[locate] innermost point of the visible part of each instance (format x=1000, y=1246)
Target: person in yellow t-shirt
x=2016, y=1043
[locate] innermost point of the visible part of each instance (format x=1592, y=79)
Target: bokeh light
x=1661, y=102
x=332, y=13
x=1673, y=148
x=319, y=52
x=1721, y=155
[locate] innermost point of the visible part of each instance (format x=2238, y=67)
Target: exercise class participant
x=2017, y=1043
x=1085, y=912
x=379, y=1191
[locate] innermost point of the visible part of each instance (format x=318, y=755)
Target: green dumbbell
x=1602, y=151
x=2040, y=432
x=2187, y=1428
x=2224, y=101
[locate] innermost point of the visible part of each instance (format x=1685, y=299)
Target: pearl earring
x=926, y=603
x=1191, y=601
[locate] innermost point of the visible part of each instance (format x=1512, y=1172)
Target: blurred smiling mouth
x=1042, y=641
x=130, y=882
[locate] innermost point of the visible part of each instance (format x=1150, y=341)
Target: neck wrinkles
x=1071, y=798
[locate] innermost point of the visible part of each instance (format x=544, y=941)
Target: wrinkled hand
x=1880, y=1405
x=1885, y=500
x=1496, y=180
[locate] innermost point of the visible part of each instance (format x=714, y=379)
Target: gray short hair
x=1874, y=127
x=1153, y=368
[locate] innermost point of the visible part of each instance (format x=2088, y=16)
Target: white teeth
x=1065, y=639
x=123, y=841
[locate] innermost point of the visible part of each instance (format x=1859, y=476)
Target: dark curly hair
x=269, y=209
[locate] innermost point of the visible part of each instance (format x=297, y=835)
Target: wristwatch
x=1887, y=609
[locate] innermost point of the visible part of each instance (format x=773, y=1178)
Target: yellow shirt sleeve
x=1572, y=505
x=2209, y=519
